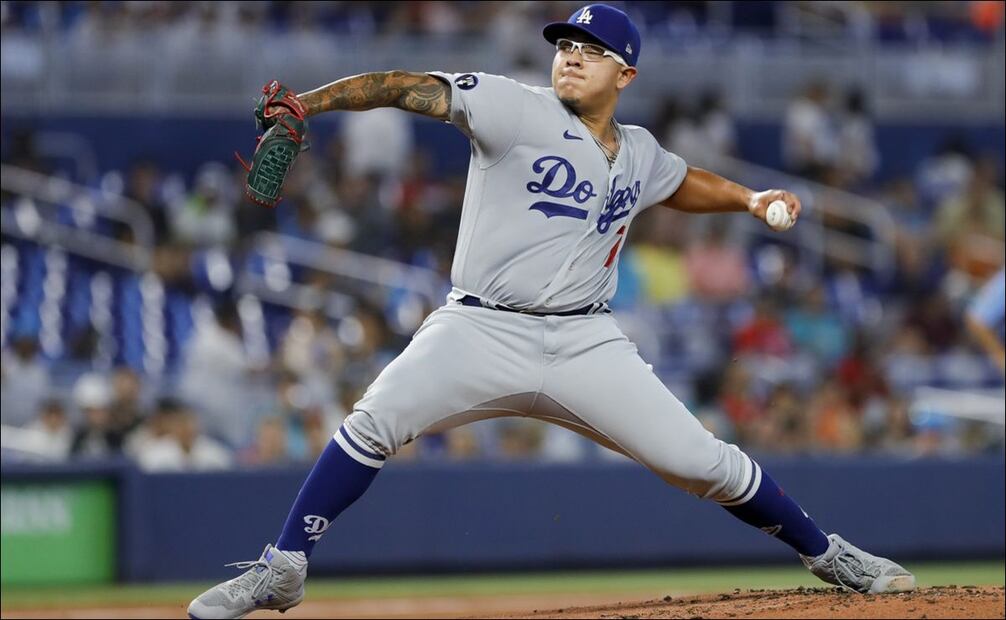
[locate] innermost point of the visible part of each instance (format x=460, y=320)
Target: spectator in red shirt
x=764, y=333
x=859, y=375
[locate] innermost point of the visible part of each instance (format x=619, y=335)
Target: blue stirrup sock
x=764, y=505
x=341, y=475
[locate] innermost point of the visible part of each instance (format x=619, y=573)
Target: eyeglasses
x=590, y=52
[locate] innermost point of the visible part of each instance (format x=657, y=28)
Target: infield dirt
x=935, y=602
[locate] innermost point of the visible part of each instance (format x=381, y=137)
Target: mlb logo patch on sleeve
x=466, y=81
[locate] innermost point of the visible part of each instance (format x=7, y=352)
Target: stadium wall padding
x=449, y=517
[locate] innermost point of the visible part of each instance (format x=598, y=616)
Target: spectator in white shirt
x=857, y=153
x=154, y=429
x=216, y=377
x=24, y=381
x=51, y=431
x=810, y=139
x=184, y=447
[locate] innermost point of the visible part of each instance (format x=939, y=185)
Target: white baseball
x=777, y=216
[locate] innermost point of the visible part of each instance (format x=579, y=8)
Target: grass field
x=628, y=582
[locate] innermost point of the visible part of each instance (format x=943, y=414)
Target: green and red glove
x=283, y=118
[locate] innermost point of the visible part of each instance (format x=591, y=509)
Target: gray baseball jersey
x=544, y=219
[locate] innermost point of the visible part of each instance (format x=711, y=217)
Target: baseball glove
x=283, y=118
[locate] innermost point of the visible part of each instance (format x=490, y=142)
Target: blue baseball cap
x=611, y=27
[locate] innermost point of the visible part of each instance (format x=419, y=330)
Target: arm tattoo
x=413, y=92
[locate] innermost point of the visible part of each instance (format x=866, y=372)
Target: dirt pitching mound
x=937, y=602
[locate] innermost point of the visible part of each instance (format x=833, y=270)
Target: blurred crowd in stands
x=767, y=352
x=676, y=23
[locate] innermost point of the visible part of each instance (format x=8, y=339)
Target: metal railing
x=816, y=236
x=36, y=219
x=33, y=216
x=354, y=267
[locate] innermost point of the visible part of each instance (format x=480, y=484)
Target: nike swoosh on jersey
x=570, y=136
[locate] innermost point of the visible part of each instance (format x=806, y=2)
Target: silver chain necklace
x=610, y=155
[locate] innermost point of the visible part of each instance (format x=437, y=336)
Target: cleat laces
x=253, y=581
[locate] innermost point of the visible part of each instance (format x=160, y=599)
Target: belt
x=471, y=300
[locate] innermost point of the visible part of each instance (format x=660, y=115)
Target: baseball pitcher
x=554, y=184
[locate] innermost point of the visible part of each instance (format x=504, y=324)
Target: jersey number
x=614, y=249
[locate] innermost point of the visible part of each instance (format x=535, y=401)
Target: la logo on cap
x=585, y=17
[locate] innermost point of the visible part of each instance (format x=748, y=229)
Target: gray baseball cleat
x=848, y=566
x=271, y=582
